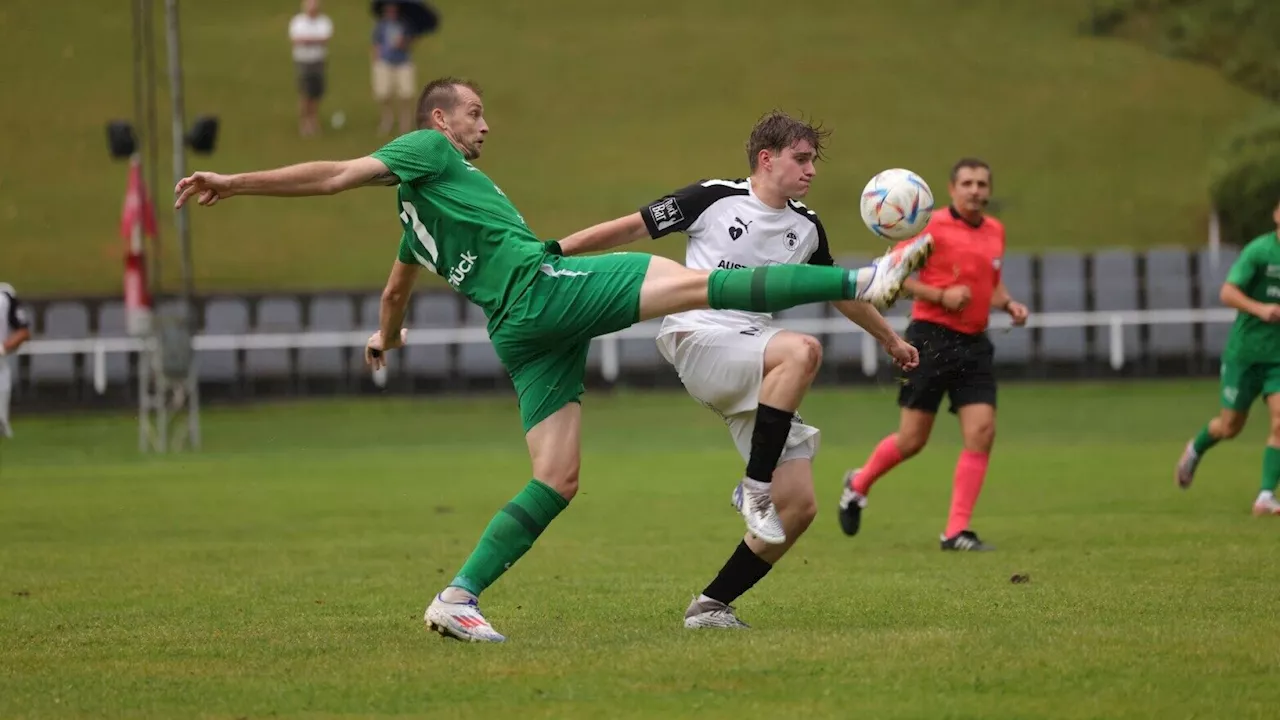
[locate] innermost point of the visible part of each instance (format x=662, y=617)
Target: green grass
x=283, y=572
x=598, y=107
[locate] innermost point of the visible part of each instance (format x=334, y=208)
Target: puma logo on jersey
x=459, y=271
x=735, y=232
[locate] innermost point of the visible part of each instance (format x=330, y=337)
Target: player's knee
x=563, y=480
x=802, y=515
x=1273, y=439
x=807, y=354
x=800, y=354
x=980, y=437
x=1231, y=425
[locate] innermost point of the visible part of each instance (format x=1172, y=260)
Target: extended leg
x=670, y=287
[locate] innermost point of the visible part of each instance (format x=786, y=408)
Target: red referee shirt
x=962, y=255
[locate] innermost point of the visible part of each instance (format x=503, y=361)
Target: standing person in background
x=395, y=85
x=15, y=329
x=957, y=288
x=310, y=31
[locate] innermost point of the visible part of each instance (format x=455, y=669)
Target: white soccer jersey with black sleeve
x=13, y=316
x=728, y=228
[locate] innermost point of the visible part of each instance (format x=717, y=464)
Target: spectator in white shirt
x=15, y=329
x=310, y=32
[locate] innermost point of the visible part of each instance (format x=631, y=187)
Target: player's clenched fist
x=375, y=350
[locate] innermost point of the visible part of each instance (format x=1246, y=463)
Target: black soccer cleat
x=851, y=504
x=965, y=541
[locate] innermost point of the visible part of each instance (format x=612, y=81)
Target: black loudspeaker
x=203, y=135
x=120, y=139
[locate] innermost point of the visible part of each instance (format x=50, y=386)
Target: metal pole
x=152, y=174
x=136, y=7
x=189, y=396
x=179, y=152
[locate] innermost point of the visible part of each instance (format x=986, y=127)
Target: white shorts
x=723, y=368
x=6, y=430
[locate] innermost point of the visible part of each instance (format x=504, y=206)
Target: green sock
x=778, y=287
x=509, y=535
x=1270, y=469
x=1203, y=441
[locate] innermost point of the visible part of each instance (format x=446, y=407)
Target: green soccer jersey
x=458, y=224
x=1257, y=274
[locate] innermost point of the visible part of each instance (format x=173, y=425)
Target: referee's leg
x=920, y=396
x=974, y=402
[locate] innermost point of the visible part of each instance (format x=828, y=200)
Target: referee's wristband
x=553, y=247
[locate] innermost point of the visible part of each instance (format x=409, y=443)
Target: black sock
x=743, y=570
x=767, y=441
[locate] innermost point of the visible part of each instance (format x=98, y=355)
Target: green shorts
x=544, y=338
x=1242, y=383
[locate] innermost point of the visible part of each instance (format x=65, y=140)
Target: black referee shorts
x=951, y=363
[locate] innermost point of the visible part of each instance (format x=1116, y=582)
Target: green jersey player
x=1250, y=364
x=543, y=309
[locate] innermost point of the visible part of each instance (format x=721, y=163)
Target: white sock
x=862, y=280
x=1265, y=495
x=453, y=594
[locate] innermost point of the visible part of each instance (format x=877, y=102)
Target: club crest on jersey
x=666, y=213
x=791, y=239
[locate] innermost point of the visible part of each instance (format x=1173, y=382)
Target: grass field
x=598, y=107
x=283, y=572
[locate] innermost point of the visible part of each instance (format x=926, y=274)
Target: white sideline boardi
x=98, y=347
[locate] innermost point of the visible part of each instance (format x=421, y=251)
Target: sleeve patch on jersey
x=666, y=213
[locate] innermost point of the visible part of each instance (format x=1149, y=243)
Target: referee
x=956, y=289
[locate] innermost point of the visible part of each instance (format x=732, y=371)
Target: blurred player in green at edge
x=543, y=308
x=1250, y=364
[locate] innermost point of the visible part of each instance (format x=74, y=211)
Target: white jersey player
x=739, y=364
x=15, y=329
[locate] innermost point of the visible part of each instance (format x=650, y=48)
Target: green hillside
x=598, y=106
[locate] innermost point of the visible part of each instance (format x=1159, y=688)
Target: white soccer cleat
x=1185, y=472
x=710, y=613
x=1266, y=505
x=892, y=270
x=754, y=499
x=460, y=621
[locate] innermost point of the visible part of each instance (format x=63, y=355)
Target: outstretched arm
x=865, y=316
x=606, y=235
x=311, y=178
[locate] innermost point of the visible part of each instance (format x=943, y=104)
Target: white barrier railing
x=98, y=348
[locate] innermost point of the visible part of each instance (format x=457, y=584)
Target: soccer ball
x=896, y=204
